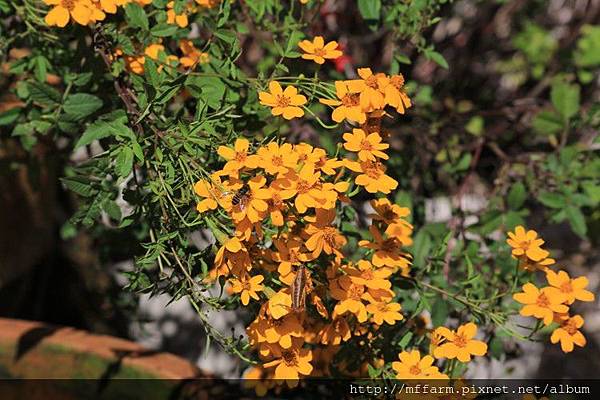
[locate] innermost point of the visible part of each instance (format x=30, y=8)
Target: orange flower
x=541, y=303
x=348, y=106
x=238, y=157
x=289, y=254
x=323, y=237
x=350, y=297
x=388, y=251
x=336, y=332
x=370, y=277
x=383, y=311
x=275, y=159
x=253, y=203
x=395, y=95
x=283, y=102
x=81, y=11
x=568, y=334
x=318, y=51
x=387, y=212
x=291, y=363
x=368, y=147
x=371, y=88
x=277, y=204
x=460, y=344
x=248, y=287
x=372, y=176
x=412, y=366
x=526, y=243
x=282, y=331
x=191, y=55
x=573, y=289
x=232, y=256
x=280, y=304
x=211, y=193
x=529, y=265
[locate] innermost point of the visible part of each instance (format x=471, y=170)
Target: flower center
x=290, y=358
x=282, y=101
x=351, y=100
x=382, y=307
x=566, y=287
x=329, y=234
x=389, y=245
x=68, y=4
x=570, y=327
x=320, y=52
x=371, y=82
x=388, y=214
x=355, y=292
x=415, y=370
x=373, y=169
x=542, y=301
x=303, y=187
x=397, y=81
x=240, y=156
x=277, y=161
x=366, y=145
x=460, y=340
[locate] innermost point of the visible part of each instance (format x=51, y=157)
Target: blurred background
x=498, y=54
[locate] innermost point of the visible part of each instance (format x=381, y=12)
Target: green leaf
x=124, y=162
x=547, y=123
x=102, y=129
x=552, y=200
x=80, y=105
x=516, y=196
x=370, y=9
x=565, y=98
x=439, y=312
x=405, y=340
x=437, y=58
x=80, y=185
x=136, y=16
x=576, y=220
x=10, y=116
x=43, y=93
x=162, y=30
x=475, y=125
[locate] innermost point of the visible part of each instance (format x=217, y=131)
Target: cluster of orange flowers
x=286, y=250
x=358, y=100
x=457, y=344
x=551, y=303
x=84, y=12
x=189, y=59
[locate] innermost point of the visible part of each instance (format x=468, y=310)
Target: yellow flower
x=529, y=265
x=283, y=102
x=208, y=3
x=291, y=363
x=383, y=311
x=568, y=334
x=280, y=331
x=388, y=251
x=238, y=157
x=526, y=243
x=368, y=147
x=395, y=95
x=371, y=88
x=180, y=19
x=348, y=106
x=252, y=204
x=387, y=212
x=248, y=287
x=191, y=55
x=280, y=304
x=366, y=275
x=290, y=253
x=275, y=159
x=460, y=344
x=573, y=289
x=412, y=366
x=541, y=303
x=323, y=237
x=336, y=332
x=277, y=204
x=372, y=176
x=350, y=297
x=318, y=51
x=211, y=193
x=80, y=11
